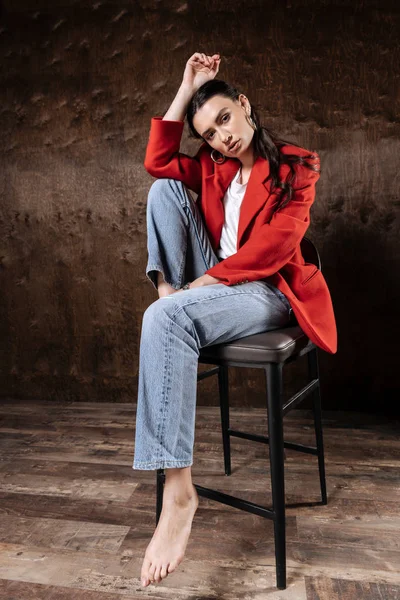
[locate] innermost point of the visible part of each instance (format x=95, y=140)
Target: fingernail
x=144, y=581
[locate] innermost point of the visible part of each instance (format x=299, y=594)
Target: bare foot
x=165, y=290
x=168, y=544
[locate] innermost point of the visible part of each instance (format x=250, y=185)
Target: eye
x=225, y=115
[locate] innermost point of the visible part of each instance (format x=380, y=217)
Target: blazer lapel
x=256, y=195
x=215, y=186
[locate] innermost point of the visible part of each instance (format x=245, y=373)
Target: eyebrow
x=216, y=119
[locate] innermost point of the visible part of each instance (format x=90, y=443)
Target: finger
x=205, y=59
x=215, y=66
x=196, y=59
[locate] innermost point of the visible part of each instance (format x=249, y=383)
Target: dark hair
x=265, y=142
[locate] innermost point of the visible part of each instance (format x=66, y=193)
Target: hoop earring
x=251, y=122
x=221, y=159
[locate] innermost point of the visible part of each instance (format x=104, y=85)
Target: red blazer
x=268, y=245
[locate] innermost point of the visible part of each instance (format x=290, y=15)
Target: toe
x=171, y=567
x=145, y=571
x=157, y=572
x=164, y=571
x=152, y=569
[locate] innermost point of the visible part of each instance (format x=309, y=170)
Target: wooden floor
x=75, y=517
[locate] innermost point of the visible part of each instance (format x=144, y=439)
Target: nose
x=228, y=140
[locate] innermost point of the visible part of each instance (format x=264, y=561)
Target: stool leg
x=313, y=372
x=276, y=455
x=160, y=493
x=223, y=385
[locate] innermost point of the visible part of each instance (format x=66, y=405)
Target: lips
x=232, y=145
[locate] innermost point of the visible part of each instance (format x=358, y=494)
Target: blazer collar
x=256, y=195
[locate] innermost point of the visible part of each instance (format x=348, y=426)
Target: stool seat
x=274, y=346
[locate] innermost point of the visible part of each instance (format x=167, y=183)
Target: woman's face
x=222, y=121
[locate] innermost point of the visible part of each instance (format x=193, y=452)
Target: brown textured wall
x=80, y=81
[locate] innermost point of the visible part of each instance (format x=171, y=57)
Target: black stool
x=270, y=351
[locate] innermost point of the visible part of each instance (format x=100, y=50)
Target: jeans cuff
x=153, y=278
x=162, y=464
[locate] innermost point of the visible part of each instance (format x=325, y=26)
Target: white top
x=232, y=201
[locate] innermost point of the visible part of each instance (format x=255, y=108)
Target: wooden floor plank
x=362, y=531
x=119, y=574
x=60, y=486
x=61, y=533
x=337, y=589
x=75, y=518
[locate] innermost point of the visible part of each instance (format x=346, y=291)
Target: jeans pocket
x=284, y=301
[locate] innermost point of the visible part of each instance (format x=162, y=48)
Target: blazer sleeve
x=163, y=159
x=274, y=243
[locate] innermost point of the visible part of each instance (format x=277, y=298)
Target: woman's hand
x=203, y=280
x=199, y=69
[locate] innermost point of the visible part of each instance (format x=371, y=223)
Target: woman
x=237, y=249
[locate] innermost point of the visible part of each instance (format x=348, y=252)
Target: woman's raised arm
x=199, y=69
x=163, y=159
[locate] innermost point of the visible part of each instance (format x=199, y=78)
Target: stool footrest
x=300, y=396
x=265, y=440
x=251, y=507
x=208, y=373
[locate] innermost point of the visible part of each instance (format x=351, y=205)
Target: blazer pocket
x=310, y=276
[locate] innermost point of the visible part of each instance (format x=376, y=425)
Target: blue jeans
x=175, y=327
